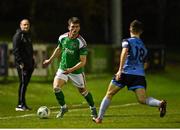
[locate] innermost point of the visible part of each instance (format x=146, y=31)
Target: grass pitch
x=124, y=111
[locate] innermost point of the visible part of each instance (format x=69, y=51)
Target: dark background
x=49, y=19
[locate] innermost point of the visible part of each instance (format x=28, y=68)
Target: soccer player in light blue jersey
x=131, y=73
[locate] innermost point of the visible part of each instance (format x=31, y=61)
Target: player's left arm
x=146, y=62
x=80, y=64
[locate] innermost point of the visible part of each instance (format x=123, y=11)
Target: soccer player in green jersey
x=72, y=49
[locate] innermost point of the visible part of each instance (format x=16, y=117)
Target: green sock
x=60, y=97
x=89, y=99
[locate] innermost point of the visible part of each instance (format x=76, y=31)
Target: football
x=43, y=112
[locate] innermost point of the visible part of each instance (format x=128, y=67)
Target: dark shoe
x=97, y=120
x=22, y=108
x=93, y=112
x=62, y=112
x=27, y=108
x=162, y=108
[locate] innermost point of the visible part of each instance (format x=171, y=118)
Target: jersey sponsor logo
x=69, y=51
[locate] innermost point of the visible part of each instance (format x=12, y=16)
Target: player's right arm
x=55, y=54
x=17, y=49
x=122, y=60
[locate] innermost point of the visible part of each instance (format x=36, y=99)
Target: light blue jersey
x=137, y=53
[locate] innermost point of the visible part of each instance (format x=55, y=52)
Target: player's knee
x=142, y=101
x=56, y=89
x=109, y=95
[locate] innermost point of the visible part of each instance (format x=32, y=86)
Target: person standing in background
x=24, y=61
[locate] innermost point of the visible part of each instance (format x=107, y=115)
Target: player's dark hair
x=136, y=26
x=74, y=20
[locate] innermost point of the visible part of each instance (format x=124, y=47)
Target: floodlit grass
x=124, y=111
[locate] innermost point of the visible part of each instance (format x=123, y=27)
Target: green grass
x=119, y=115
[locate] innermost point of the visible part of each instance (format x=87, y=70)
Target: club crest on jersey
x=74, y=45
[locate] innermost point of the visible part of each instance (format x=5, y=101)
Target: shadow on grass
x=132, y=115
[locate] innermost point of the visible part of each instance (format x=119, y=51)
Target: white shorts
x=77, y=79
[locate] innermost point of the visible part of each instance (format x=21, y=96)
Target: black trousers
x=24, y=78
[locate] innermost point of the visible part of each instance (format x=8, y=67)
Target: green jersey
x=71, y=49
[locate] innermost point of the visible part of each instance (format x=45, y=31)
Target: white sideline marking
x=21, y=116
x=76, y=109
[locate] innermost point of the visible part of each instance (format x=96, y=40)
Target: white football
x=43, y=112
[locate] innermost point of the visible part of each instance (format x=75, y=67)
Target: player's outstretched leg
x=162, y=108
x=157, y=103
x=103, y=107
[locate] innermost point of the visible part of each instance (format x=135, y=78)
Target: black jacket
x=23, y=49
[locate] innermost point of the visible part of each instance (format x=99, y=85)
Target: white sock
x=153, y=102
x=104, y=105
x=64, y=106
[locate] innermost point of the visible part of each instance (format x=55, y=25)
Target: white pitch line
x=124, y=105
x=76, y=109
x=21, y=116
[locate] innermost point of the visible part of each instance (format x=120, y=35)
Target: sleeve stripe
x=62, y=36
x=82, y=42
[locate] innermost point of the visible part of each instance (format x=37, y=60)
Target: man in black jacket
x=23, y=52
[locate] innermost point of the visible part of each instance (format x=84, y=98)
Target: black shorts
x=131, y=81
